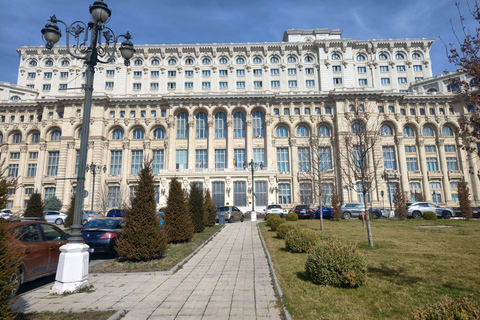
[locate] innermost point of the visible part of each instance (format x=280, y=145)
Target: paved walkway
x=228, y=278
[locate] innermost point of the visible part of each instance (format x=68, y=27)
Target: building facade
x=199, y=112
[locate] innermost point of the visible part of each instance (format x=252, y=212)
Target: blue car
x=161, y=218
x=327, y=213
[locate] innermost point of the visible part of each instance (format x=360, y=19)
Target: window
x=138, y=134
x=63, y=75
x=309, y=71
x=172, y=73
x=400, y=68
x=55, y=135
x=47, y=75
x=154, y=86
x=172, y=62
x=50, y=192
x=240, y=84
x=138, y=62
x=49, y=63
x=292, y=71
x=452, y=163
x=201, y=159
x=402, y=80
x=274, y=60
x=220, y=125
x=258, y=124
x=417, y=68
x=62, y=86
x=427, y=131
x=275, y=84
x=13, y=170
x=302, y=131
x=362, y=82
x=30, y=86
x=257, y=72
x=276, y=111
x=310, y=83
x=35, y=138
x=432, y=164
x=284, y=193
x=117, y=134
x=109, y=85
x=223, y=85
x=389, y=158
x=158, y=161
x=137, y=160
x=240, y=61
x=274, y=72
x=385, y=80
x=310, y=58
x=337, y=80
x=257, y=84
x=412, y=164
x=201, y=130
x=291, y=59
x=241, y=72
x=410, y=149
x=33, y=155
x=238, y=125
x=116, y=162
x=220, y=158
x=450, y=148
x=380, y=109
x=360, y=197
x=29, y=190
x=281, y=132
x=447, y=131
x=257, y=60
x=132, y=114
x=182, y=125
x=238, y=158
x=336, y=68
x=383, y=56
x=324, y=158
x=292, y=83
x=304, y=159
x=283, y=164
x=32, y=75
x=223, y=61
x=188, y=85
x=416, y=56
x=17, y=138
x=286, y=111
x=259, y=155
x=137, y=86
x=454, y=185
x=53, y=159
x=206, y=61
x=386, y=130
x=155, y=62
x=188, y=73
x=430, y=149
x=205, y=85
x=362, y=70
x=383, y=68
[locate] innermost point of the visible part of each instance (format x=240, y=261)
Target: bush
x=291, y=216
x=283, y=229
x=35, y=206
x=276, y=223
x=430, y=215
x=336, y=263
x=178, y=222
x=272, y=217
x=197, y=212
x=52, y=203
x=448, y=308
x=301, y=239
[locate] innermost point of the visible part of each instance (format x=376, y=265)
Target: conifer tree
x=70, y=212
x=195, y=203
x=35, y=206
x=52, y=203
x=464, y=199
x=400, y=203
x=141, y=238
x=209, y=210
x=178, y=222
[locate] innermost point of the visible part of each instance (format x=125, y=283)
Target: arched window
x=323, y=131
x=302, y=131
x=308, y=59
x=223, y=61
x=238, y=125
x=427, y=131
x=240, y=61
x=447, y=131
x=291, y=59
x=189, y=61
x=159, y=133
x=361, y=57
x=357, y=128
x=138, y=134
x=408, y=132
x=17, y=138
x=432, y=90
x=386, y=130
x=79, y=133
x=138, y=62
x=33, y=63
x=274, y=60
x=15, y=98
x=335, y=56
x=453, y=87
x=35, y=138
x=399, y=56
x=258, y=124
x=474, y=82
x=206, y=61
x=117, y=134
x=382, y=56
x=416, y=56
x=201, y=131
x=49, y=63
x=172, y=61
x=155, y=62
x=220, y=125
x=281, y=132
x=257, y=60
x=55, y=135
x=182, y=125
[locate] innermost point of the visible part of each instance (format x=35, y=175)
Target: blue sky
x=214, y=21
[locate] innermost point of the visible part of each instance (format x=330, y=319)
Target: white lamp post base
x=253, y=216
x=72, y=270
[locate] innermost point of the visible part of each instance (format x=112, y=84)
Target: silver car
x=6, y=213
x=417, y=209
x=231, y=213
x=56, y=217
x=89, y=215
x=350, y=210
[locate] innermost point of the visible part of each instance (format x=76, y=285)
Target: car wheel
x=58, y=221
x=417, y=215
x=84, y=222
x=312, y=216
x=375, y=215
x=347, y=215
x=446, y=215
x=231, y=219
x=15, y=281
x=242, y=218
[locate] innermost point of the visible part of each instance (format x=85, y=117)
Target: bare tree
x=359, y=161
x=103, y=198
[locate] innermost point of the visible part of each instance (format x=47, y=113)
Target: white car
x=274, y=209
x=56, y=217
x=6, y=213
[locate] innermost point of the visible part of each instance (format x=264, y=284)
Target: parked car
x=231, y=213
x=417, y=209
x=475, y=212
x=89, y=215
x=161, y=218
x=120, y=213
x=327, y=213
x=377, y=213
x=101, y=234
x=350, y=210
x=56, y=217
x=303, y=212
x=274, y=209
x=6, y=213
x=40, y=242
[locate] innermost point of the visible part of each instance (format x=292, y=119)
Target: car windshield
x=275, y=206
x=223, y=209
x=103, y=224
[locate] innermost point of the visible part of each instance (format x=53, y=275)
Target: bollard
x=221, y=219
x=363, y=218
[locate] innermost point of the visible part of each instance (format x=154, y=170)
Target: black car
x=116, y=213
x=303, y=212
x=377, y=213
x=101, y=234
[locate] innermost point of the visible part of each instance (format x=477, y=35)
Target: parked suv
x=231, y=213
x=350, y=210
x=303, y=212
x=417, y=209
x=274, y=209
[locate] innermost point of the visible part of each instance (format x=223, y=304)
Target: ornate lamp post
x=94, y=169
x=252, y=166
x=72, y=271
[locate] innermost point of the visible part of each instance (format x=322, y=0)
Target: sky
x=215, y=21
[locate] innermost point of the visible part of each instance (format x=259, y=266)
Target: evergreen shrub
x=52, y=203
x=301, y=240
x=70, y=212
x=430, y=215
x=195, y=203
x=35, y=206
x=276, y=223
x=209, y=210
x=283, y=229
x=178, y=222
x=272, y=217
x=336, y=263
x=464, y=308
x=291, y=216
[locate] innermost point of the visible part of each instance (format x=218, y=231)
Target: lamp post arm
x=76, y=34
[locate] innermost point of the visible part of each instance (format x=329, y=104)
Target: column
x=268, y=146
x=210, y=145
x=447, y=193
x=249, y=139
x=125, y=161
x=191, y=144
x=229, y=146
x=402, y=163
x=293, y=152
x=41, y=167
x=427, y=196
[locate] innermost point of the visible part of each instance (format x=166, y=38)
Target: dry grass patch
x=408, y=267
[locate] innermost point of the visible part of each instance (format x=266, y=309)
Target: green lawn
x=413, y=262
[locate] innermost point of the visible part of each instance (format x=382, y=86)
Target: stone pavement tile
x=154, y=317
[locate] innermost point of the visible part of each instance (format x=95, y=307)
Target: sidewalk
x=228, y=278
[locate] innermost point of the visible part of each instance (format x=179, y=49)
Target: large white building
x=200, y=111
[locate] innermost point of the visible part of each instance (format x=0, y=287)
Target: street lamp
x=252, y=166
x=386, y=176
x=94, y=169
x=72, y=271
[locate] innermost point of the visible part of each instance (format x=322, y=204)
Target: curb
x=276, y=286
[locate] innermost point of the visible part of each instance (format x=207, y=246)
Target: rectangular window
x=47, y=87
x=138, y=74
x=223, y=85
x=33, y=155
x=324, y=158
x=310, y=83
x=410, y=149
x=417, y=68
x=240, y=84
x=275, y=84
x=308, y=71
x=385, y=81
x=337, y=80
x=114, y=196
x=218, y=193
x=172, y=73
x=402, y=80
x=275, y=72
x=13, y=170
x=389, y=158
x=259, y=155
x=336, y=68
x=188, y=85
x=306, y=193
x=304, y=160
x=158, y=161
x=153, y=113
x=292, y=71
x=116, y=162
x=63, y=74
x=182, y=159
x=432, y=164
x=257, y=84
x=53, y=159
x=261, y=193
x=412, y=164
x=154, y=86
x=205, y=85
x=171, y=85
x=362, y=82
x=201, y=159
x=362, y=70
x=188, y=73
x=137, y=86
x=238, y=158
x=383, y=68
x=241, y=72
x=15, y=155
x=29, y=190
x=284, y=196
x=283, y=162
x=257, y=72
x=220, y=158
x=111, y=73
x=452, y=163
x=223, y=73
x=50, y=192
x=401, y=68
x=430, y=149
x=30, y=86
x=47, y=75
x=32, y=170
x=137, y=160
x=62, y=86
x=450, y=148
x=31, y=75
x=292, y=83
x=109, y=85
x=239, y=193
x=205, y=73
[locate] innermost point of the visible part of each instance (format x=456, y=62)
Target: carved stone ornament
x=125, y=145
x=70, y=145
x=146, y=144
x=91, y=144
x=23, y=149
x=43, y=146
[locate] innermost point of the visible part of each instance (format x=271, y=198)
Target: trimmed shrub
x=272, y=217
x=209, y=209
x=430, y=215
x=336, y=263
x=52, y=203
x=448, y=308
x=35, y=206
x=276, y=223
x=301, y=240
x=178, y=222
x=283, y=229
x=195, y=203
x=291, y=216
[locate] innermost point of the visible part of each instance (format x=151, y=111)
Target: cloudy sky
x=214, y=21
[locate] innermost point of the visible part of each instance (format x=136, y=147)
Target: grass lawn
x=90, y=315
x=174, y=254
x=413, y=263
